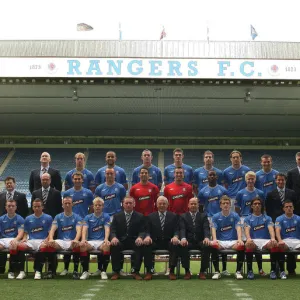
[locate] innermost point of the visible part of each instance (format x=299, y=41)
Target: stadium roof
x=138, y=108
x=191, y=49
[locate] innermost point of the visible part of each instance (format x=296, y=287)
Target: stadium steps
x=7, y=161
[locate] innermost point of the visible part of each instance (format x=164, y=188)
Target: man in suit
x=11, y=193
x=274, y=204
x=35, y=175
x=293, y=179
x=197, y=233
x=50, y=196
x=276, y=198
x=127, y=233
x=163, y=232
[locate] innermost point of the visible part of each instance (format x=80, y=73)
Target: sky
x=228, y=20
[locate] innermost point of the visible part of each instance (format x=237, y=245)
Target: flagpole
x=120, y=32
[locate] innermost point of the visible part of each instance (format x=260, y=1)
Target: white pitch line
x=88, y=295
x=94, y=290
x=232, y=284
x=245, y=299
x=242, y=295
x=237, y=290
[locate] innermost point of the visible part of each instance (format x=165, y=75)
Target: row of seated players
x=162, y=230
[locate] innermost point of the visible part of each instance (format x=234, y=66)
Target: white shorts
x=34, y=244
x=292, y=243
x=95, y=244
x=260, y=243
x=65, y=245
x=227, y=244
x=6, y=242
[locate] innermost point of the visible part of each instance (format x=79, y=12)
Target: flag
x=253, y=33
x=84, y=27
x=163, y=34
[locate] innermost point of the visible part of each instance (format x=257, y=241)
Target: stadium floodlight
x=247, y=98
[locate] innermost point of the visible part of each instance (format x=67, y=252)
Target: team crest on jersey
x=184, y=189
x=116, y=189
x=15, y=222
x=264, y=219
x=149, y=190
x=84, y=194
x=43, y=221
x=117, y=172
x=84, y=175
x=231, y=219
x=295, y=221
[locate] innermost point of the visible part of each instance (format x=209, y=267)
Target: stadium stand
x=25, y=160
x=3, y=154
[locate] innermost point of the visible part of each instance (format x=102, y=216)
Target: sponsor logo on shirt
x=177, y=196
x=235, y=180
x=110, y=196
x=37, y=229
x=248, y=203
x=98, y=228
x=226, y=228
x=144, y=198
x=9, y=230
x=290, y=229
x=213, y=199
x=259, y=227
x=67, y=228
x=266, y=184
x=78, y=202
x=205, y=180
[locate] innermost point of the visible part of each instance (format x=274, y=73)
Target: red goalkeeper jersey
x=145, y=196
x=178, y=196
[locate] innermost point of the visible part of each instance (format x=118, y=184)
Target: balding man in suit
x=35, y=175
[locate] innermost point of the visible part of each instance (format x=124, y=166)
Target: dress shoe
x=172, y=276
x=136, y=276
x=115, y=276
x=148, y=276
x=202, y=276
x=187, y=276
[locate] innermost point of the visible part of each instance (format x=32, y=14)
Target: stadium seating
x=25, y=160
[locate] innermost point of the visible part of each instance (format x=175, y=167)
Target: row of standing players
x=177, y=192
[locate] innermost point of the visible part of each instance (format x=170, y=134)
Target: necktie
x=128, y=216
x=45, y=196
x=281, y=195
x=44, y=170
x=162, y=221
x=9, y=196
x=193, y=218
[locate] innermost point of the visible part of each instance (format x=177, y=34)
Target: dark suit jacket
x=198, y=232
x=22, y=204
x=293, y=181
x=53, y=204
x=35, y=180
x=171, y=227
x=273, y=203
x=121, y=232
